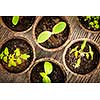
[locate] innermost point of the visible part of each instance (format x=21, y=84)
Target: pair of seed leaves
x=81, y=52
x=15, y=20
x=45, y=35
x=14, y=58
x=48, y=68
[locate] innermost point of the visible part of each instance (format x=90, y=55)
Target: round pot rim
x=61, y=66
x=72, y=42
x=15, y=32
x=87, y=30
x=52, y=49
x=33, y=50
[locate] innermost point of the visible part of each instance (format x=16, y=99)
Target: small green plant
x=93, y=21
x=45, y=35
x=15, y=20
x=48, y=68
x=80, y=53
x=13, y=59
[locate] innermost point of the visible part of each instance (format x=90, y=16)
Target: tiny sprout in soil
x=93, y=21
x=45, y=35
x=13, y=59
x=80, y=53
x=48, y=68
x=15, y=20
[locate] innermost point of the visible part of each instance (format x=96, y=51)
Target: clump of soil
x=24, y=48
x=56, y=76
x=24, y=23
x=87, y=65
x=56, y=40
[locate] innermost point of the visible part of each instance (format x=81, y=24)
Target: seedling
x=93, y=21
x=48, y=68
x=13, y=59
x=45, y=35
x=15, y=20
x=80, y=53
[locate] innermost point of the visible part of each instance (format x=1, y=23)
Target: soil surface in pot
x=24, y=48
x=87, y=65
x=86, y=24
x=24, y=23
x=46, y=24
x=56, y=76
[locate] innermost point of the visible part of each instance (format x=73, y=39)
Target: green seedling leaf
x=48, y=67
x=91, y=52
x=45, y=79
x=19, y=61
x=95, y=21
x=6, y=51
x=87, y=55
x=25, y=56
x=83, y=44
x=17, y=52
x=11, y=63
x=74, y=49
x=43, y=36
x=97, y=26
x=91, y=23
x=76, y=54
x=1, y=55
x=58, y=28
x=78, y=63
x=15, y=20
x=5, y=59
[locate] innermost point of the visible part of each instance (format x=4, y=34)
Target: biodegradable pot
x=83, y=25
x=25, y=46
x=87, y=66
x=24, y=25
x=58, y=75
x=55, y=42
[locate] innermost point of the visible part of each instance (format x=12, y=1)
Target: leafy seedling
x=45, y=35
x=15, y=20
x=13, y=59
x=80, y=53
x=48, y=68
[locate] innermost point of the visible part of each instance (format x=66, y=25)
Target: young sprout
x=80, y=53
x=15, y=20
x=45, y=35
x=48, y=68
x=13, y=59
x=93, y=21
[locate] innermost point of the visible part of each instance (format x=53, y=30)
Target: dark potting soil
x=46, y=24
x=24, y=48
x=24, y=23
x=86, y=24
x=87, y=65
x=56, y=76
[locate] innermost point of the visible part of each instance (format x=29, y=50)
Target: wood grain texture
x=77, y=32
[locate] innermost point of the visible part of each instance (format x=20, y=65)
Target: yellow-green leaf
x=19, y=61
x=48, y=67
x=78, y=63
x=83, y=44
x=76, y=54
x=17, y=52
x=74, y=49
x=43, y=36
x=15, y=20
x=87, y=55
x=46, y=79
x=1, y=55
x=5, y=59
x=58, y=28
x=6, y=51
x=91, y=52
x=11, y=63
x=25, y=56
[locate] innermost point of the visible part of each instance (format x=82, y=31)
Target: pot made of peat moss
x=90, y=23
x=17, y=55
x=18, y=23
x=51, y=33
x=48, y=70
x=82, y=57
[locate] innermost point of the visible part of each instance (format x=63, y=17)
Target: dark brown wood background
x=77, y=32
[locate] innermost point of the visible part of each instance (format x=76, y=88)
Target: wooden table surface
x=76, y=33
